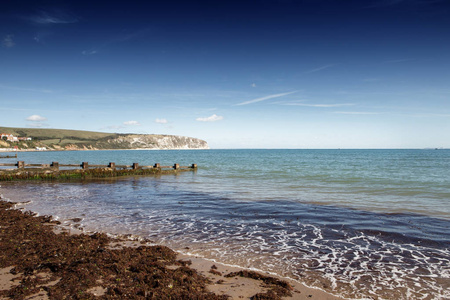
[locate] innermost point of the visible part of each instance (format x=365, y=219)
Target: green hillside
x=47, y=134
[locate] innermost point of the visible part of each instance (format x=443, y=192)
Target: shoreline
x=221, y=279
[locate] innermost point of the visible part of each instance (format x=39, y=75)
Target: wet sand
x=40, y=259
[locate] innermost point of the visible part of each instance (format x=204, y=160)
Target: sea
x=360, y=224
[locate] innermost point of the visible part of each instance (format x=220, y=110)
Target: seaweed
x=77, y=263
x=277, y=288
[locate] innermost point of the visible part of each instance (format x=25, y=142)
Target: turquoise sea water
x=357, y=223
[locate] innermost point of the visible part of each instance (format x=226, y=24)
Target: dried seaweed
x=277, y=288
x=81, y=262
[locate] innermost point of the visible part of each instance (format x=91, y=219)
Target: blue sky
x=239, y=74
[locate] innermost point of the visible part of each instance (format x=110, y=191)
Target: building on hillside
x=9, y=137
x=12, y=138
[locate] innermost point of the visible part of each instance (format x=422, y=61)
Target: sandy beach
x=41, y=259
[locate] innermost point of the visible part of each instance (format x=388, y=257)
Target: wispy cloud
x=89, y=52
x=212, y=118
x=265, y=98
x=161, y=121
x=320, y=68
x=52, y=17
x=120, y=38
x=41, y=36
x=316, y=105
x=431, y=115
x=127, y=36
x=131, y=123
x=8, y=41
x=47, y=91
x=356, y=113
x=396, y=61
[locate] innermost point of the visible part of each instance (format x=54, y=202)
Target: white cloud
x=131, y=123
x=8, y=41
x=266, y=98
x=253, y=84
x=212, y=118
x=161, y=121
x=36, y=118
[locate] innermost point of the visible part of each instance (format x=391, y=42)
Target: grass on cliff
x=48, y=134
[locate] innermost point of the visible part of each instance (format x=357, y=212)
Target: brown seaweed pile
x=63, y=266
x=81, y=262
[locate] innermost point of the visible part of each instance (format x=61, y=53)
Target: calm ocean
x=357, y=223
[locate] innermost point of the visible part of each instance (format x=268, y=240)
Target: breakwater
x=55, y=170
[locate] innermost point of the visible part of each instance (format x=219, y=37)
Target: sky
x=308, y=74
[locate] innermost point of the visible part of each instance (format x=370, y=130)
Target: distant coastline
x=32, y=139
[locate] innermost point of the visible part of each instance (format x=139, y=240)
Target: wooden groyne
x=55, y=170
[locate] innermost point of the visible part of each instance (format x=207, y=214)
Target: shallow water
x=357, y=223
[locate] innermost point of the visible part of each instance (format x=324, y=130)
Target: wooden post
x=135, y=166
x=194, y=166
x=85, y=165
x=55, y=165
x=20, y=164
x=176, y=166
x=112, y=165
x=157, y=166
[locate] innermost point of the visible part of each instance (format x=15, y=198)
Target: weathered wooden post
x=176, y=166
x=135, y=166
x=85, y=165
x=20, y=164
x=55, y=165
x=112, y=165
x=157, y=166
x=194, y=166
